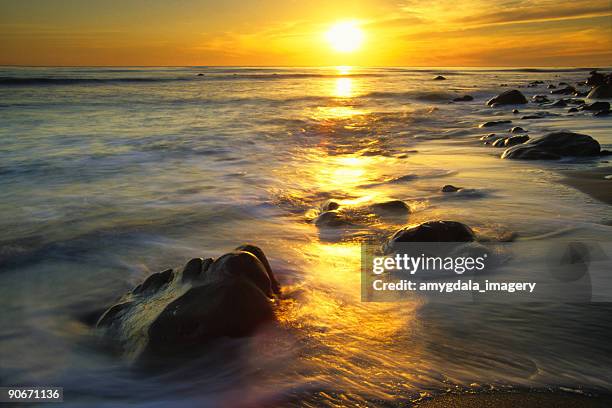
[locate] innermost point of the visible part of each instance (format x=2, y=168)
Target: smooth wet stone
x=601, y=92
x=596, y=106
x=154, y=282
x=511, y=97
x=499, y=142
x=259, y=254
x=464, y=98
x=439, y=78
x=551, y=86
x=392, y=206
x=568, y=90
x=540, y=99
x=231, y=308
x=515, y=111
x=602, y=113
x=200, y=74
x=331, y=218
x=233, y=299
x=572, y=110
x=192, y=269
x=435, y=231
x=330, y=205
x=514, y=140
x=554, y=146
x=494, y=123
x=517, y=129
x=449, y=188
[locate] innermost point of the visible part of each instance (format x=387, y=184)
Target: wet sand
x=518, y=399
x=591, y=182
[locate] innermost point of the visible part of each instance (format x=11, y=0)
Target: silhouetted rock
x=568, y=90
x=554, y=146
x=449, y=188
x=602, y=113
x=601, y=92
x=434, y=231
x=540, y=99
x=511, y=97
x=514, y=140
x=494, y=123
x=572, y=110
x=465, y=98
x=330, y=205
x=229, y=297
x=551, y=86
x=439, y=78
x=499, y=142
x=559, y=104
x=515, y=111
x=517, y=129
x=596, y=79
x=596, y=106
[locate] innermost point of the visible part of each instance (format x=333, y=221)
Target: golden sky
x=292, y=33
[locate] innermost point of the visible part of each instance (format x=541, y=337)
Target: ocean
x=110, y=174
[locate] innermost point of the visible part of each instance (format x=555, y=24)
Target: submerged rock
x=166, y=316
x=494, y=123
x=568, y=90
x=393, y=206
x=572, y=110
x=554, y=146
x=540, y=99
x=332, y=218
x=464, y=98
x=439, y=78
x=601, y=92
x=511, y=97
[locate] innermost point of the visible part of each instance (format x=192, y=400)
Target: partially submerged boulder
x=511, y=97
x=435, y=231
x=601, y=92
x=167, y=316
x=554, y=146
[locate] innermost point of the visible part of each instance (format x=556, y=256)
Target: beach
x=111, y=174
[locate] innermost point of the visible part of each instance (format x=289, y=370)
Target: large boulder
x=171, y=314
x=554, y=146
x=601, y=92
x=511, y=97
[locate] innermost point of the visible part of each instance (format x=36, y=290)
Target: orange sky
x=291, y=33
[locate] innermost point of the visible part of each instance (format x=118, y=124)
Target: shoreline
x=591, y=182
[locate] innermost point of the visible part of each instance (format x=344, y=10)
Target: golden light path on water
x=354, y=341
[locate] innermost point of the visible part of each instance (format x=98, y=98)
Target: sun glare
x=345, y=36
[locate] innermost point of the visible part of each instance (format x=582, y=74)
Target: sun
x=345, y=36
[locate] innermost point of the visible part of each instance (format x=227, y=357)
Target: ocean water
x=109, y=174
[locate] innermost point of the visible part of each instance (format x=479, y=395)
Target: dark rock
x=568, y=90
x=392, y=206
x=514, y=140
x=515, y=111
x=449, y=188
x=200, y=74
x=553, y=146
x=330, y=205
x=494, y=123
x=601, y=92
x=154, y=283
x=572, y=110
x=538, y=82
x=465, y=98
x=192, y=269
x=551, y=86
x=439, y=78
x=596, y=79
x=511, y=97
x=540, y=99
x=602, y=113
x=574, y=101
x=232, y=296
x=435, y=231
x=559, y=104
x=596, y=106
x=331, y=218
x=563, y=84
x=517, y=129
x=499, y=142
